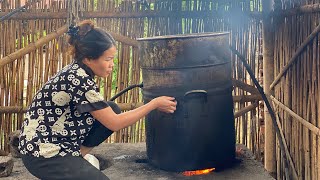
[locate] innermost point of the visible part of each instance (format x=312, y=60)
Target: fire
x=198, y=172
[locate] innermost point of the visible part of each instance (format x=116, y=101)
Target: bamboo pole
x=105, y=14
x=287, y=153
x=309, y=8
x=124, y=39
x=15, y=11
x=247, y=98
x=19, y=109
x=268, y=63
x=296, y=55
x=244, y=86
x=308, y=125
x=314, y=94
x=245, y=110
x=32, y=46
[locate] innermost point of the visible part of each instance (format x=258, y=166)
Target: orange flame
x=198, y=172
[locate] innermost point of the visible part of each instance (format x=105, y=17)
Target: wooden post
x=268, y=74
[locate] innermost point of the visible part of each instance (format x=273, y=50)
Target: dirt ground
x=123, y=166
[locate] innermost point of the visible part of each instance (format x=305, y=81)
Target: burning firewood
x=198, y=172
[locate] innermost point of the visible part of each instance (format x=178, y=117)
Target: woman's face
x=102, y=66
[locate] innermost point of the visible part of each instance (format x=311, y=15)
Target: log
x=14, y=143
x=6, y=166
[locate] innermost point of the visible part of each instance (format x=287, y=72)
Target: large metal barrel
x=196, y=70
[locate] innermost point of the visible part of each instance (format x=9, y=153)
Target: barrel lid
x=181, y=36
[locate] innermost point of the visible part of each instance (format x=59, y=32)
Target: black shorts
x=99, y=132
x=71, y=167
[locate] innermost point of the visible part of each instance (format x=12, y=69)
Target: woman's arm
x=115, y=122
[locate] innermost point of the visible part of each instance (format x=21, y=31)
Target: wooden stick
x=296, y=55
x=19, y=109
x=247, y=98
x=287, y=153
x=124, y=39
x=245, y=110
x=268, y=70
x=33, y=46
x=15, y=11
x=308, y=125
x=107, y=14
x=244, y=86
x=130, y=106
x=310, y=8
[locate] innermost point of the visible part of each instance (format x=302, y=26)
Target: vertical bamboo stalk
x=318, y=110
x=270, y=145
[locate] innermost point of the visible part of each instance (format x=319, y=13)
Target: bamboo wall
x=298, y=89
x=21, y=78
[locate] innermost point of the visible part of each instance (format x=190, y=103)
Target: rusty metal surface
x=192, y=60
x=196, y=70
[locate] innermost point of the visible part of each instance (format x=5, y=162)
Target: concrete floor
x=124, y=167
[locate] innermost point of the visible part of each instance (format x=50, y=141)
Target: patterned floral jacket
x=58, y=119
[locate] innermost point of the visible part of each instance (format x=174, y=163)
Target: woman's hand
x=165, y=104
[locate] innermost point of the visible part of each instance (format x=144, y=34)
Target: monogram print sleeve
x=84, y=91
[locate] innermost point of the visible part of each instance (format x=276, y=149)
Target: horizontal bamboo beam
x=246, y=87
x=296, y=55
x=32, y=46
x=124, y=39
x=97, y=14
x=17, y=10
x=308, y=125
x=310, y=8
x=20, y=109
x=247, y=98
x=127, y=106
x=245, y=110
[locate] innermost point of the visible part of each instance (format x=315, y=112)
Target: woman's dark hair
x=88, y=41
